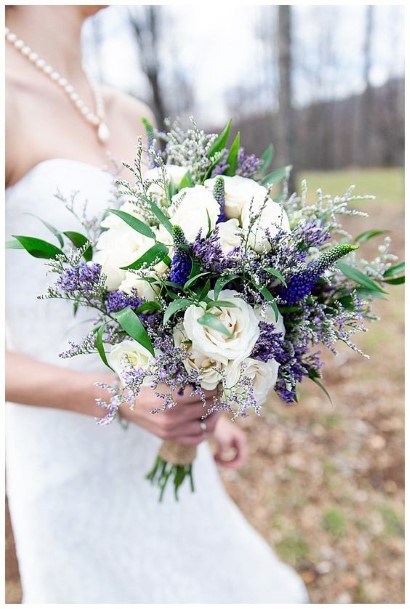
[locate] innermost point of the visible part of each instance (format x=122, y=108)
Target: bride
x=88, y=527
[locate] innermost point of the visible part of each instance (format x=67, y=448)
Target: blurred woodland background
x=324, y=484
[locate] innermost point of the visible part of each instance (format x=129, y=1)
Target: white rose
x=229, y=236
x=240, y=320
x=239, y=192
x=132, y=283
x=263, y=374
x=270, y=216
x=196, y=205
x=126, y=354
x=118, y=247
x=173, y=173
x=209, y=369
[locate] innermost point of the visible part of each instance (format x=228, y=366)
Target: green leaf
x=186, y=181
x=157, y=252
x=394, y=270
x=132, y=221
x=50, y=227
x=369, y=234
x=221, y=283
x=130, y=322
x=79, y=240
x=150, y=305
x=192, y=280
x=203, y=293
x=100, y=345
x=232, y=159
x=38, y=248
x=161, y=217
x=266, y=157
x=177, y=305
x=221, y=141
x=211, y=321
x=13, y=245
x=322, y=387
x=220, y=303
x=358, y=277
x=395, y=280
x=269, y=298
x=276, y=274
x=276, y=176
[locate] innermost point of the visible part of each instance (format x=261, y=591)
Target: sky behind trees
x=229, y=58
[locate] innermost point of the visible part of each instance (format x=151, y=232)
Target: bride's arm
x=35, y=383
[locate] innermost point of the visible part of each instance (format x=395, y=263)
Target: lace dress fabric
x=88, y=527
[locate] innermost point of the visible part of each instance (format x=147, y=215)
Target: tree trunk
x=286, y=114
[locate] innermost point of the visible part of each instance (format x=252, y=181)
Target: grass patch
x=293, y=548
x=334, y=522
x=392, y=521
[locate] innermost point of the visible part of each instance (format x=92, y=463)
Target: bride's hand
x=231, y=442
x=181, y=423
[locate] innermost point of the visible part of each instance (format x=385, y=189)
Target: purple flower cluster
x=116, y=301
x=209, y=252
x=81, y=277
x=265, y=348
x=181, y=266
x=248, y=164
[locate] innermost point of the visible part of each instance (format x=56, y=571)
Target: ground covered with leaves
x=325, y=483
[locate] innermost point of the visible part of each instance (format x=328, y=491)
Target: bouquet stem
x=174, y=462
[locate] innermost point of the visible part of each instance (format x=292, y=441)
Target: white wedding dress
x=88, y=527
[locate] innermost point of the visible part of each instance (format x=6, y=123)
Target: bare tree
x=286, y=119
x=146, y=24
x=366, y=106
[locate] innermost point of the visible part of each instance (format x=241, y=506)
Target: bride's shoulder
x=131, y=108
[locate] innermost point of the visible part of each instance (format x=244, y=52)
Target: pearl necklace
x=96, y=119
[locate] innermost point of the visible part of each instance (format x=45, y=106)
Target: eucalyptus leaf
x=100, y=345
x=276, y=274
x=277, y=176
x=192, y=280
x=157, y=252
x=136, y=224
x=161, y=217
x=211, y=321
x=204, y=292
x=395, y=280
x=38, y=248
x=322, y=387
x=269, y=298
x=132, y=325
x=150, y=305
x=177, y=305
x=395, y=270
x=221, y=303
x=79, y=240
x=369, y=234
x=221, y=283
x=358, y=277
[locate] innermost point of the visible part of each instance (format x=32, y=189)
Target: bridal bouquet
x=208, y=276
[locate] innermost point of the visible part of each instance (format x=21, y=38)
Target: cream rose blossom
x=229, y=236
x=239, y=192
x=239, y=320
x=209, y=369
x=270, y=215
x=129, y=353
x=173, y=173
x=263, y=375
x=196, y=209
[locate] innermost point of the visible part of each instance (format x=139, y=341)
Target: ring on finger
x=203, y=426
